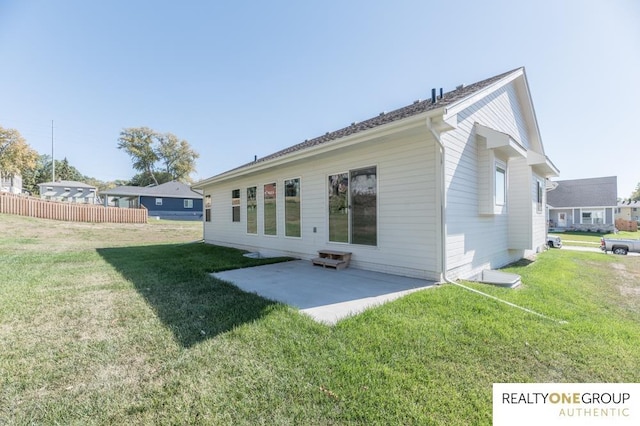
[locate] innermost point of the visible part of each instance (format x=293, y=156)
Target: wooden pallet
x=332, y=259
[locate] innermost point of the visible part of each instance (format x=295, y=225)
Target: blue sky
x=244, y=78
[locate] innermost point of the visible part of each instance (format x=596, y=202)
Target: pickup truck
x=619, y=246
x=553, y=241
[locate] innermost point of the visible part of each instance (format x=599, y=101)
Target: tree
x=147, y=148
x=636, y=194
x=138, y=143
x=178, y=157
x=16, y=156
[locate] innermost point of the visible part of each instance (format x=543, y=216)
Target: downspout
x=443, y=199
x=443, y=202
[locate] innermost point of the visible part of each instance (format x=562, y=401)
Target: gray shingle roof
x=629, y=203
x=591, y=192
x=415, y=108
x=165, y=190
x=67, y=183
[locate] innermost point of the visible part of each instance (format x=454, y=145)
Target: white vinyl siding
x=483, y=241
x=407, y=242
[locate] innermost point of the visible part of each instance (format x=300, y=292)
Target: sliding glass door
x=353, y=207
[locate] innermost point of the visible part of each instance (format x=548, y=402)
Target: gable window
x=353, y=207
x=207, y=208
x=158, y=201
x=501, y=184
x=292, y=207
x=269, y=210
x=188, y=204
x=252, y=210
x=235, y=205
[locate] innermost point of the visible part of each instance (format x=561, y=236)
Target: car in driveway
x=553, y=241
x=619, y=246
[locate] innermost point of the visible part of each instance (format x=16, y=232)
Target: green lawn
x=120, y=324
x=591, y=239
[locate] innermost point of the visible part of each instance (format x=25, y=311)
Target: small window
x=269, y=210
x=252, y=210
x=158, y=201
x=292, y=207
x=188, y=204
x=235, y=205
x=207, y=208
x=540, y=196
x=501, y=185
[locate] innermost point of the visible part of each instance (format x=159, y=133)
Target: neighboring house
x=11, y=183
x=583, y=204
x=69, y=191
x=442, y=188
x=628, y=210
x=171, y=200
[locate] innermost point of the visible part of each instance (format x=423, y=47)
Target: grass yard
x=120, y=324
x=591, y=239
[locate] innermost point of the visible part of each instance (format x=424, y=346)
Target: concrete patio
x=325, y=294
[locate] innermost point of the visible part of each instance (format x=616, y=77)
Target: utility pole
x=53, y=160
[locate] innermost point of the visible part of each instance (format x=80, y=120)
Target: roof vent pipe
x=433, y=96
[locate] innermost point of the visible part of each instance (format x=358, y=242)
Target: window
x=501, y=184
x=292, y=207
x=269, y=210
x=188, y=204
x=207, y=208
x=540, y=196
x=235, y=205
x=592, y=217
x=353, y=207
x=158, y=201
x=252, y=210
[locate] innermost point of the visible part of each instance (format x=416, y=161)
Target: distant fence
x=626, y=225
x=70, y=212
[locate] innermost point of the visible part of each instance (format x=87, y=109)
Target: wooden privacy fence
x=626, y=225
x=35, y=207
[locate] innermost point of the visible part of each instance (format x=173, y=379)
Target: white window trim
x=500, y=208
x=158, y=201
x=187, y=203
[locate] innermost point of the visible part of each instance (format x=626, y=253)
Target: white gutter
x=443, y=228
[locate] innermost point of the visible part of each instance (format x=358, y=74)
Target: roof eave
x=356, y=138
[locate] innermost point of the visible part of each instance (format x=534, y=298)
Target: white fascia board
x=501, y=141
x=462, y=104
x=356, y=138
x=541, y=163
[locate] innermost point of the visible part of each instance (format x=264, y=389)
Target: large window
x=353, y=207
x=292, y=207
x=252, y=211
x=592, y=217
x=235, y=205
x=269, y=210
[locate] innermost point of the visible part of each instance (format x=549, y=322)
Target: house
x=583, y=204
x=628, y=210
x=11, y=183
x=171, y=200
x=440, y=189
x=68, y=191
